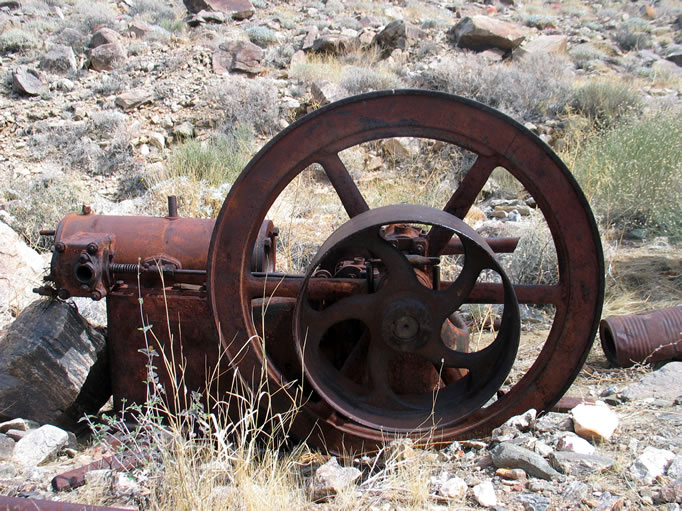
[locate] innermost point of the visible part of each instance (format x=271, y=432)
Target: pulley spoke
x=461, y=201
x=351, y=198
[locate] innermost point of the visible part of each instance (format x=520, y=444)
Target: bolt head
x=63, y=294
x=96, y=295
x=59, y=246
x=92, y=248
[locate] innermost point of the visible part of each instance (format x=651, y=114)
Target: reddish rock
x=104, y=36
x=238, y=9
x=107, y=57
x=483, y=32
x=240, y=56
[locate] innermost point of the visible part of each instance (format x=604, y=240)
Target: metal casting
x=370, y=337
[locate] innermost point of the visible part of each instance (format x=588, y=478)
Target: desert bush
x=531, y=89
x=535, y=260
x=262, y=36
x=361, y=79
x=248, y=103
x=41, y=204
x=216, y=161
x=91, y=14
x=633, y=34
x=539, y=21
x=17, y=40
x=154, y=11
x=605, y=103
x=584, y=54
x=631, y=173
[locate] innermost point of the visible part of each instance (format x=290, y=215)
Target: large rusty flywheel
x=374, y=345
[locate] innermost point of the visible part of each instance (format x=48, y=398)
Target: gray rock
x=546, y=44
x=661, y=384
x=107, y=57
x=40, y=445
x=27, y=81
x=53, y=366
x=533, y=502
x=333, y=44
x=59, y=59
x=139, y=29
x=675, y=468
x=508, y=455
x=311, y=35
x=483, y=32
x=237, y=9
x=327, y=92
x=675, y=56
x=10, y=5
x=572, y=463
x=398, y=34
x=575, y=493
x=184, y=131
x=331, y=478
x=241, y=56
x=651, y=464
x=134, y=98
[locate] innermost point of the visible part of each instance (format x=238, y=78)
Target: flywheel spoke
x=351, y=198
x=461, y=201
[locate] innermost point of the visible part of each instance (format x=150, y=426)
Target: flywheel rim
x=464, y=123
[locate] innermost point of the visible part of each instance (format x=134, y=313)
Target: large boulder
x=53, y=366
x=238, y=56
x=482, y=32
x=21, y=268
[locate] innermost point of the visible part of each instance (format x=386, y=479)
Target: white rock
x=651, y=464
x=524, y=421
x=157, y=140
x=594, y=422
x=331, y=478
x=40, y=445
x=453, y=488
x=573, y=443
x=25, y=266
x=485, y=494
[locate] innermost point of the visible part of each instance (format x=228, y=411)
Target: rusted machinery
x=370, y=336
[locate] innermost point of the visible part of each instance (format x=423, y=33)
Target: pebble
x=594, y=422
x=484, y=493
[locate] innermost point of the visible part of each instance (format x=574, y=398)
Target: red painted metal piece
x=74, y=478
x=642, y=338
x=498, y=142
x=19, y=504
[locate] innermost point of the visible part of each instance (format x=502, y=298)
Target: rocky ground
x=98, y=99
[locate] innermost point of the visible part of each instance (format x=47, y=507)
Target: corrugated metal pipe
x=642, y=338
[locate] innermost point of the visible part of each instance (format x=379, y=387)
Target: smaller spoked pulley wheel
x=378, y=377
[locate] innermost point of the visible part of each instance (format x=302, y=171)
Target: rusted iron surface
x=497, y=142
x=370, y=335
x=642, y=338
x=74, y=478
x=19, y=504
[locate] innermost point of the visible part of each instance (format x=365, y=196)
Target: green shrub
x=217, y=161
x=17, y=40
x=533, y=88
x=262, y=36
x=357, y=79
x=249, y=103
x=539, y=21
x=633, y=34
x=604, y=103
x=631, y=173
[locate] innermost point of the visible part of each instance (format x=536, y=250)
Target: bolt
x=92, y=248
x=59, y=246
x=419, y=249
x=63, y=294
x=96, y=295
x=83, y=258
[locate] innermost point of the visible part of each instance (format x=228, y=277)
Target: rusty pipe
x=19, y=504
x=651, y=337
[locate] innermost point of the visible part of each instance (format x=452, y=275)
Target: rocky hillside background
x=119, y=104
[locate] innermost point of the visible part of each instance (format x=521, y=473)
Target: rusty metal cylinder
x=184, y=239
x=642, y=338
